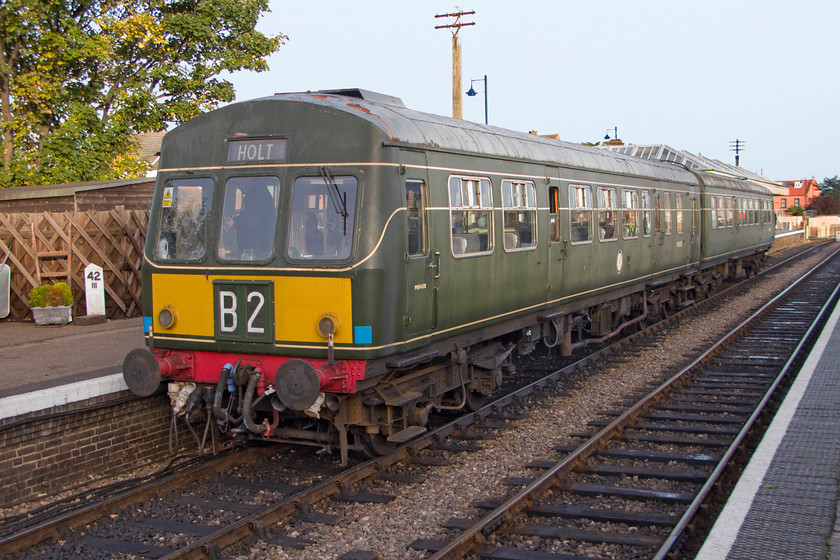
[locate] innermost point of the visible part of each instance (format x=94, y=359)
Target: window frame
x=418, y=213
x=680, y=226
x=586, y=210
x=511, y=206
x=554, y=225
x=667, y=220
x=472, y=202
x=607, y=213
x=174, y=233
x=633, y=210
x=647, y=216
x=325, y=220
x=236, y=182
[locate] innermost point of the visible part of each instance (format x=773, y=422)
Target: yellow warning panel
x=299, y=304
x=167, y=197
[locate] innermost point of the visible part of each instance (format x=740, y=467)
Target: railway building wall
x=46, y=452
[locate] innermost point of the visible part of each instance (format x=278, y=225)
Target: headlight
x=167, y=317
x=328, y=325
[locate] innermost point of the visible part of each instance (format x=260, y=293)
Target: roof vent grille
x=367, y=95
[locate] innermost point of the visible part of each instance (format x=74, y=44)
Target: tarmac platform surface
x=34, y=357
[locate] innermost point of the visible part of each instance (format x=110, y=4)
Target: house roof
x=802, y=187
x=148, y=146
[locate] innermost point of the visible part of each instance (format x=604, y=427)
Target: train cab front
x=248, y=300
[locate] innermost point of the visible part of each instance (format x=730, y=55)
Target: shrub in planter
x=51, y=304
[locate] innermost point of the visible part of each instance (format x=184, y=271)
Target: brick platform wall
x=46, y=452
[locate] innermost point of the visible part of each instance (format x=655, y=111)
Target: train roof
x=402, y=125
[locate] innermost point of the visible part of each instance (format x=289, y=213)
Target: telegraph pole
x=456, y=26
x=737, y=146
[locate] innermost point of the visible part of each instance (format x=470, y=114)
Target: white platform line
x=726, y=528
x=63, y=394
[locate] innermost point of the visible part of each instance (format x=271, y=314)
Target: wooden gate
x=49, y=247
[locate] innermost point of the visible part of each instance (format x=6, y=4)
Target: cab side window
x=415, y=206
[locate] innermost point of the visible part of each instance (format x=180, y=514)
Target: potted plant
x=51, y=304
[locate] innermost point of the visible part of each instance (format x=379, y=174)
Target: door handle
x=435, y=265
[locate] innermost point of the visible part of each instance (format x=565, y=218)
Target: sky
x=693, y=74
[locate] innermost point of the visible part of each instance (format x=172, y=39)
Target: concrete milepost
x=94, y=290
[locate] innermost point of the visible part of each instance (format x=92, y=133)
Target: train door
x=422, y=262
x=694, y=228
x=556, y=238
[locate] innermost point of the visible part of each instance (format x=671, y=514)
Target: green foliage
x=795, y=211
x=830, y=186
x=79, y=78
x=50, y=295
x=826, y=205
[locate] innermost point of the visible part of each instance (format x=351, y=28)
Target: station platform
x=45, y=366
x=785, y=505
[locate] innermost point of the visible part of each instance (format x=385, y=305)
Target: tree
x=79, y=78
x=830, y=186
x=825, y=205
x=795, y=211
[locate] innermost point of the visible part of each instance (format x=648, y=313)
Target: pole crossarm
x=456, y=56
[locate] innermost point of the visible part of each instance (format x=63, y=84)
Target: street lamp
x=473, y=93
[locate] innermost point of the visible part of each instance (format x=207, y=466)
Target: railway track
x=299, y=501
x=666, y=452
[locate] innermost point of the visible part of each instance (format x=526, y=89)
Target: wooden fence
x=48, y=247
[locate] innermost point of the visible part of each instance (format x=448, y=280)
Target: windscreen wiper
x=338, y=199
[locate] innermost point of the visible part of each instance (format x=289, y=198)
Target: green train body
x=402, y=258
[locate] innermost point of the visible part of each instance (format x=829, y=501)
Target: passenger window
x=657, y=213
x=471, y=215
x=730, y=212
x=184, y=209
x=322, y=219
x=249, y=218
x=554, y=214
x=721, y=211
x=646, y=211
x=629, y=216
x=415, y=205
x=666, y=212
x=580, y=213
x=607, y=214
x=519, y=202
x=713, y=211
x=678, y=200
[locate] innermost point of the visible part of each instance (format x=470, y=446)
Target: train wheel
x=377, y=445
x=476, y=400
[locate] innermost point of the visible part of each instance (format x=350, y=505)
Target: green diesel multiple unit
x=332, y=267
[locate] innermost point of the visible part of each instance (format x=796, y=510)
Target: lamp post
x=473, y=93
